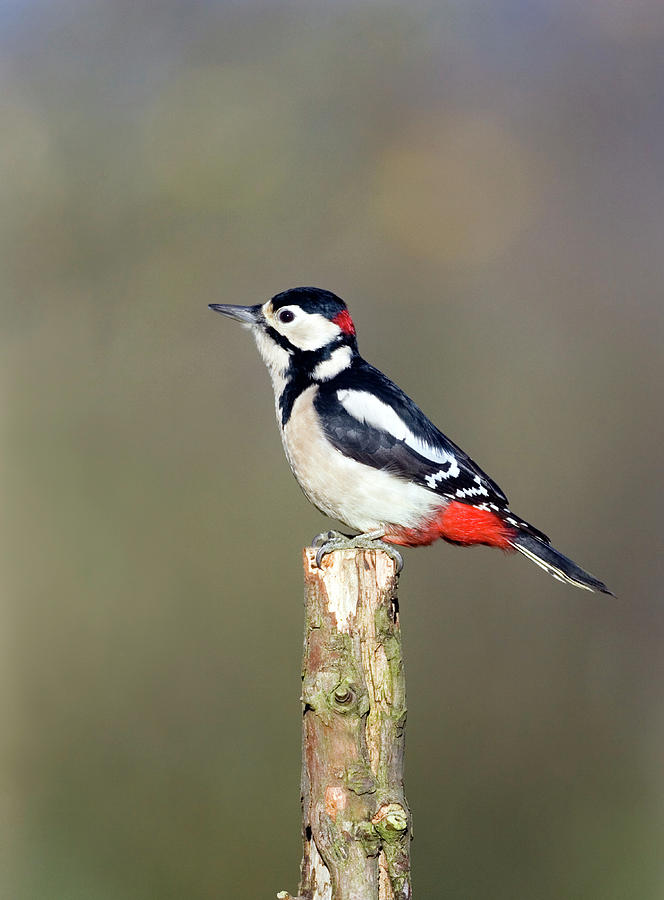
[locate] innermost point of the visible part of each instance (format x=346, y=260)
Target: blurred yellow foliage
x=456, y=190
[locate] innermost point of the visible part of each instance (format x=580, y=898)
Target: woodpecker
x=364, y=453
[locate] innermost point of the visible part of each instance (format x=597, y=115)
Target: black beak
x=248, y=315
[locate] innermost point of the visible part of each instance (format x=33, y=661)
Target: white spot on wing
x=364, y=407
x=478, y=490
x=433, y=479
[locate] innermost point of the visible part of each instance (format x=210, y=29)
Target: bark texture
x=356, y=822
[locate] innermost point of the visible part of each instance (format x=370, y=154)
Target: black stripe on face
x=279, y=339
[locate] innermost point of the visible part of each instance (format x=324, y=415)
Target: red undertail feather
x=344, y=321
x=460, y=524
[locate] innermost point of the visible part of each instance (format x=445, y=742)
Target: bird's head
x=301, y=328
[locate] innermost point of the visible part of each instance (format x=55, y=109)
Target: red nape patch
x=459, y=523
x=344, y=321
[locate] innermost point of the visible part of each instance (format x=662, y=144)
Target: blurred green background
x=483, y=184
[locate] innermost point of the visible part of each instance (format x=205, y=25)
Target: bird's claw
x=325, y=536
x=335, y=541
x=392, y=552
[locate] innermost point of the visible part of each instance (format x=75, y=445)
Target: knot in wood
x=391, y=820
x=343, y=694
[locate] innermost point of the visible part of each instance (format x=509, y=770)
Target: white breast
x=359, y=495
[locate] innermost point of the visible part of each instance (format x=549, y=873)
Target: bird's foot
x=371, y=540
x=326, y=536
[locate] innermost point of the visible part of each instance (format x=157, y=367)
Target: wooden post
x=356, y=823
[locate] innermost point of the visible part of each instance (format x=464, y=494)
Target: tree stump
x=356, y=823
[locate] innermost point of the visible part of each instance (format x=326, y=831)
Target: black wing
x=431, y=460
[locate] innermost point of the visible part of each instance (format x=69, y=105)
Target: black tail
x=553, y=562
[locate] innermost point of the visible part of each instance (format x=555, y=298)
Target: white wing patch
x=364, y=407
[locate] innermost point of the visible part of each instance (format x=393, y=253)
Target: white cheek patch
x=307, y=331
x=366, y=408
x=338, y=361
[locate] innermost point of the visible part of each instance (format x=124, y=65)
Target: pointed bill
x=248, y=315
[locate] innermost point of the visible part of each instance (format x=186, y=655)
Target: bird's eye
x=286, y=316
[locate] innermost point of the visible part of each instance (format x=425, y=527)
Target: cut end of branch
x=341, y=576
x=376, y=559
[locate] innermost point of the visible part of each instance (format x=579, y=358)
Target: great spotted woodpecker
x=365, y=454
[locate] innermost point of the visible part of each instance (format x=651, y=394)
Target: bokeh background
x=483, y=183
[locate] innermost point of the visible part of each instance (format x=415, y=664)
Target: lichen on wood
x=356, y=822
